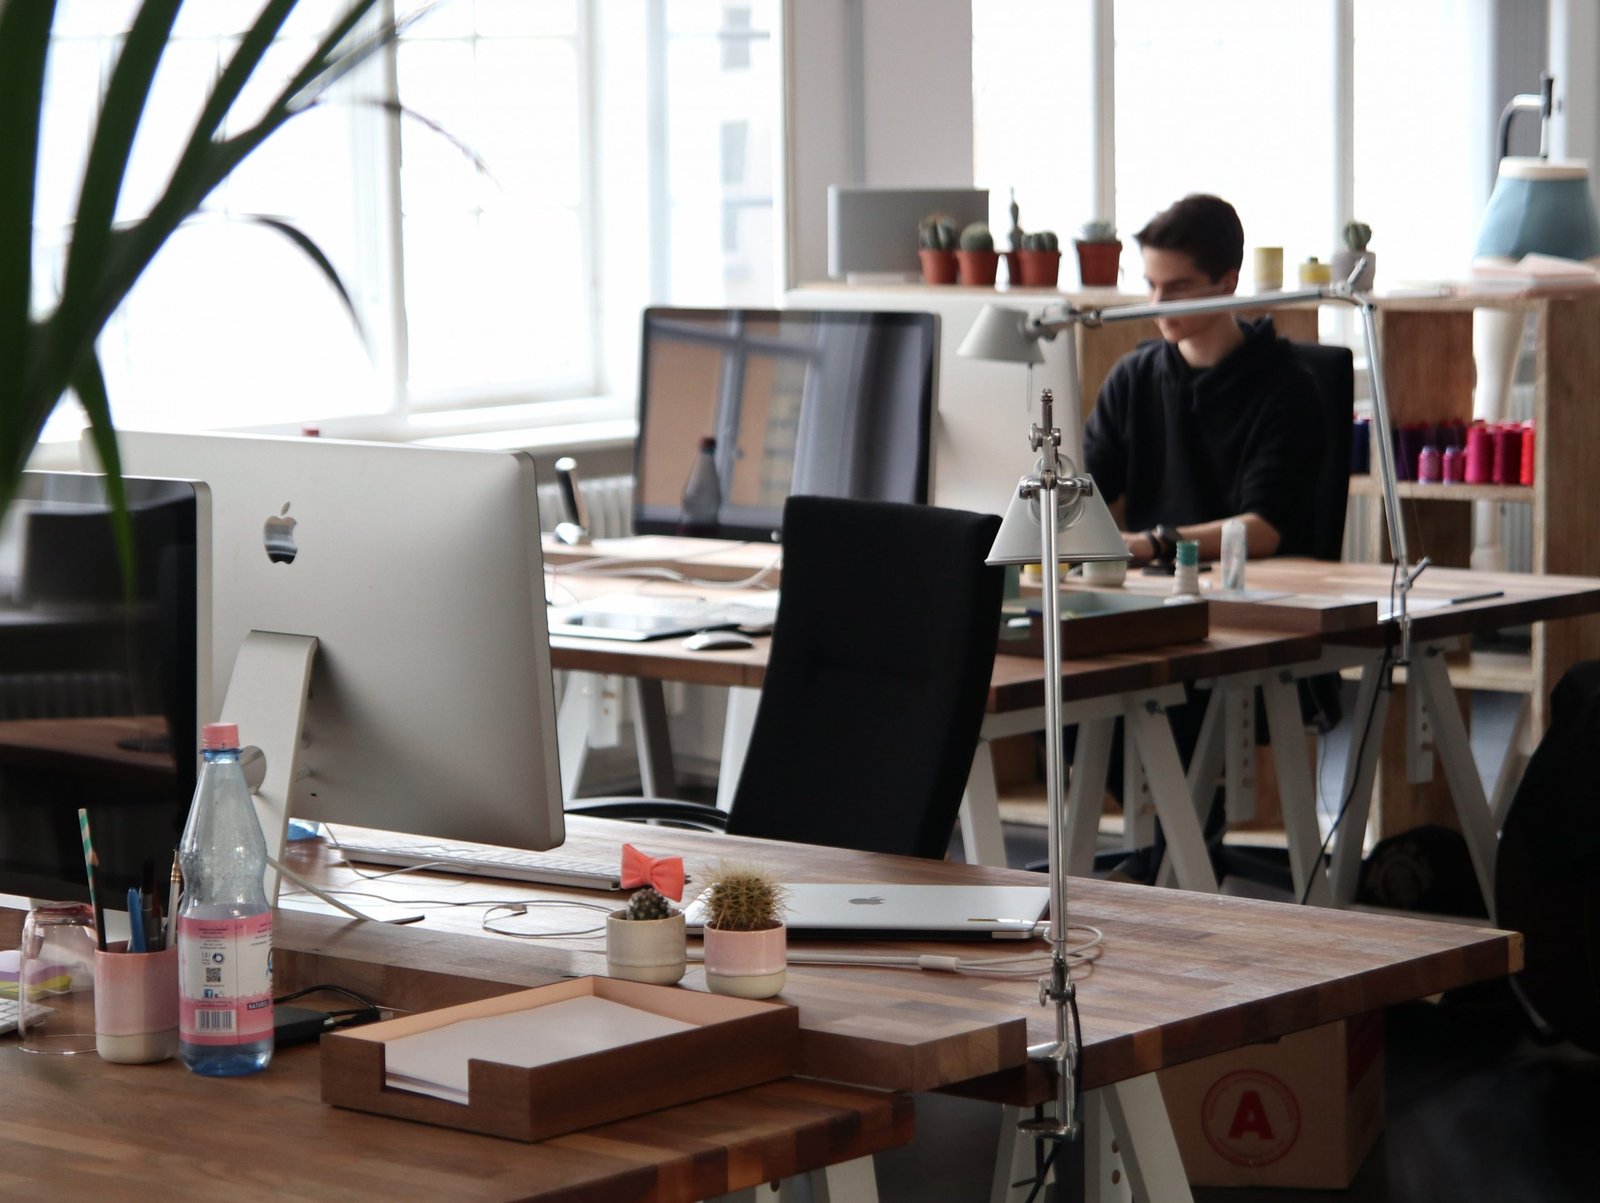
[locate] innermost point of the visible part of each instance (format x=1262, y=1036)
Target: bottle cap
x=1188, y=553
x=219, y=736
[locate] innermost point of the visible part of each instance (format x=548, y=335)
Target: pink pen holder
x=136, y=1006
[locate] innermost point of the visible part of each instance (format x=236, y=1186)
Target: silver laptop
x=924, y=912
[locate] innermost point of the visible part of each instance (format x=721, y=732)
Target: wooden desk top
x=82, y=1128
x=89, y=747
x=1181, y=975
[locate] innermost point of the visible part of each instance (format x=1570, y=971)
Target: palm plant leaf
x=90, y=384
x=312, y=251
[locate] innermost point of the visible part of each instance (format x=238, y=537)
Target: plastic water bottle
x=1234, y=539
x=224, y=922
x=702, y=493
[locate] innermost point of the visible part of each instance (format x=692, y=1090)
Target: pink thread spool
x=1430, y=465
x=1455, y=465
x=1480, y=455
x=1526, y=476
x=1507, y=454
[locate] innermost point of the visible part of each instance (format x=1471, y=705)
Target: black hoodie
x=1185, y=446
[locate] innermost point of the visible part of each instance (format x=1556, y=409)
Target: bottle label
x=225, y=979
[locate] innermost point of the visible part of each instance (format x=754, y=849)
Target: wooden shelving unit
x=1429, y=373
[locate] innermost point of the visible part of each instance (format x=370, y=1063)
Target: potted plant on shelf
x=1356, y=236
x=1099, y=254
x=745, y=940
x=1039, y=260
x=46, y=352
x=979, y=262
x=936, y=237
x=645, y=940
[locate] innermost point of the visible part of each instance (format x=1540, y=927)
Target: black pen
x=1472, y=597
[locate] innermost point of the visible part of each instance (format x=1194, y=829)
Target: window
x=518, y=283
x=1241, y=98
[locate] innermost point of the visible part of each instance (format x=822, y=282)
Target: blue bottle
x=224, y=922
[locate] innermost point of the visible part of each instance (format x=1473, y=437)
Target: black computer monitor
x=833, y=403
x=97, y=688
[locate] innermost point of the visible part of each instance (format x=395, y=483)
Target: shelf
x=1368, y=486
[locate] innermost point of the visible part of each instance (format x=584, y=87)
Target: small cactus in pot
x=745, y=939
x=1039, y=261
x=1099, y=254
x=646, y=940
x=978, y=259
x=937, y=236
x=1355, y=254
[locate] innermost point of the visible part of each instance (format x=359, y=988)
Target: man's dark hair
x=1203, y=227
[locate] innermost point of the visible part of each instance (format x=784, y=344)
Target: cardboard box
x=1302, y=1111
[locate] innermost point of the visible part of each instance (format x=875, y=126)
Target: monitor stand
x=266, y=697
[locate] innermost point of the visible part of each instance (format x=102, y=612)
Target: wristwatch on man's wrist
x=1163, y=542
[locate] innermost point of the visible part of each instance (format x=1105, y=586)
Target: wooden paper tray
x=1094, y=623
x=735, y=1043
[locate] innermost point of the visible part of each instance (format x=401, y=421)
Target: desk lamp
x=1539, y=206
x=1057, y=515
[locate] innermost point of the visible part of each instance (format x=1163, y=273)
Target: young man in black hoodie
x=1217, y=419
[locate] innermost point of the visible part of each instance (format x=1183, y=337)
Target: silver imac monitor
x=418, y=572
x=872, y=232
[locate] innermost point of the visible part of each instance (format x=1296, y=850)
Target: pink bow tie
x=665, y=873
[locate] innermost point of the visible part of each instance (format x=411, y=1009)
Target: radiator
x=608, y=500
x=63, y=695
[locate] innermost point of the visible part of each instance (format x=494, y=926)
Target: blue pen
x=135, y=921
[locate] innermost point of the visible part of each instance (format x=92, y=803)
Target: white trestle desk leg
x=737, y=723
x=1144, y=1145
x=1148, y=730
x=573, y=722
x=267, y=699
x=1360, y=771
x=1086, y=791
x=1516, y=760
x=651, y=739
x=1419, y=736
x=1296, y=793
x=1460, y=770
x=849, y=1182
x=1206, y=765
x=1138, y=803
x=981, y=834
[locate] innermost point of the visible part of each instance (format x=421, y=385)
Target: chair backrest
x=878, y=678
x=1333, y=371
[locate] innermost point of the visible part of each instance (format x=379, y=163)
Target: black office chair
x=876, y=685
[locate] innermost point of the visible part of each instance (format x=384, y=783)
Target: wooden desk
x=1181, y=975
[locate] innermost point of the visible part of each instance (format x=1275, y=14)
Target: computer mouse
x=717, y=641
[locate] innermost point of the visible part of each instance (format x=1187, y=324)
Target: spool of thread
x=1526, y=475
x=1455, y=465
x=1480, y=455
x=1268, y=268
x=1507, y=454
x=1452, y=434
x=1430, y=465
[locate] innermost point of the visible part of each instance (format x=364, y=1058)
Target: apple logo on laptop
x=278, y=536
x=874, y=900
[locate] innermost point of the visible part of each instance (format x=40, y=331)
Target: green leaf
x=90, y=384
x=24, y=46
x=313, y=252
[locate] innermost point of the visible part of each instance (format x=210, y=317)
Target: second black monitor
x=833, y=403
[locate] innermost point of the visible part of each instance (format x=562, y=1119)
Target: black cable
x=366, y=1004
x=1040, y=1178
x=1384, y=686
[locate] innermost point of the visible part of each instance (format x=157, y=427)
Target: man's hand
x=1139, y=546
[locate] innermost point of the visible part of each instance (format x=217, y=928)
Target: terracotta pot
x=645, y=950
x=1098, y=263
x=938, y=267
x=979, y=268
x=1039, y=269
x=1013, y=267
x=747, y=964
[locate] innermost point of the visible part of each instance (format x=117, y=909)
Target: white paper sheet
x=435, y=1062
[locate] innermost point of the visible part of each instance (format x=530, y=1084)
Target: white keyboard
x=753, y=615
x=512, y=864
x=8, y=1014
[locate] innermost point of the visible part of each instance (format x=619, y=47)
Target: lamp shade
x=1003, y=334
x=1084, y=531
x=1540, y=207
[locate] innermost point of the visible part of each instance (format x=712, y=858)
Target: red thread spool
x=1480, y=455
x=1527, y=454
x=1507, y=454
x=1455, y=465
x=1430, y=465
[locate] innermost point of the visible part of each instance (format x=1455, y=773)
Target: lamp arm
x=1541, y=102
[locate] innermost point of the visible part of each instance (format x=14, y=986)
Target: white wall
x=1574, y=50
x=878, y=92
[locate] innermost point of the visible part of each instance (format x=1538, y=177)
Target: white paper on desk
x=1414, y=604
x=1248, y=595
x=435, y=1062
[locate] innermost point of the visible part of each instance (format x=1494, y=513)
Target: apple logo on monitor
x=278, y=536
